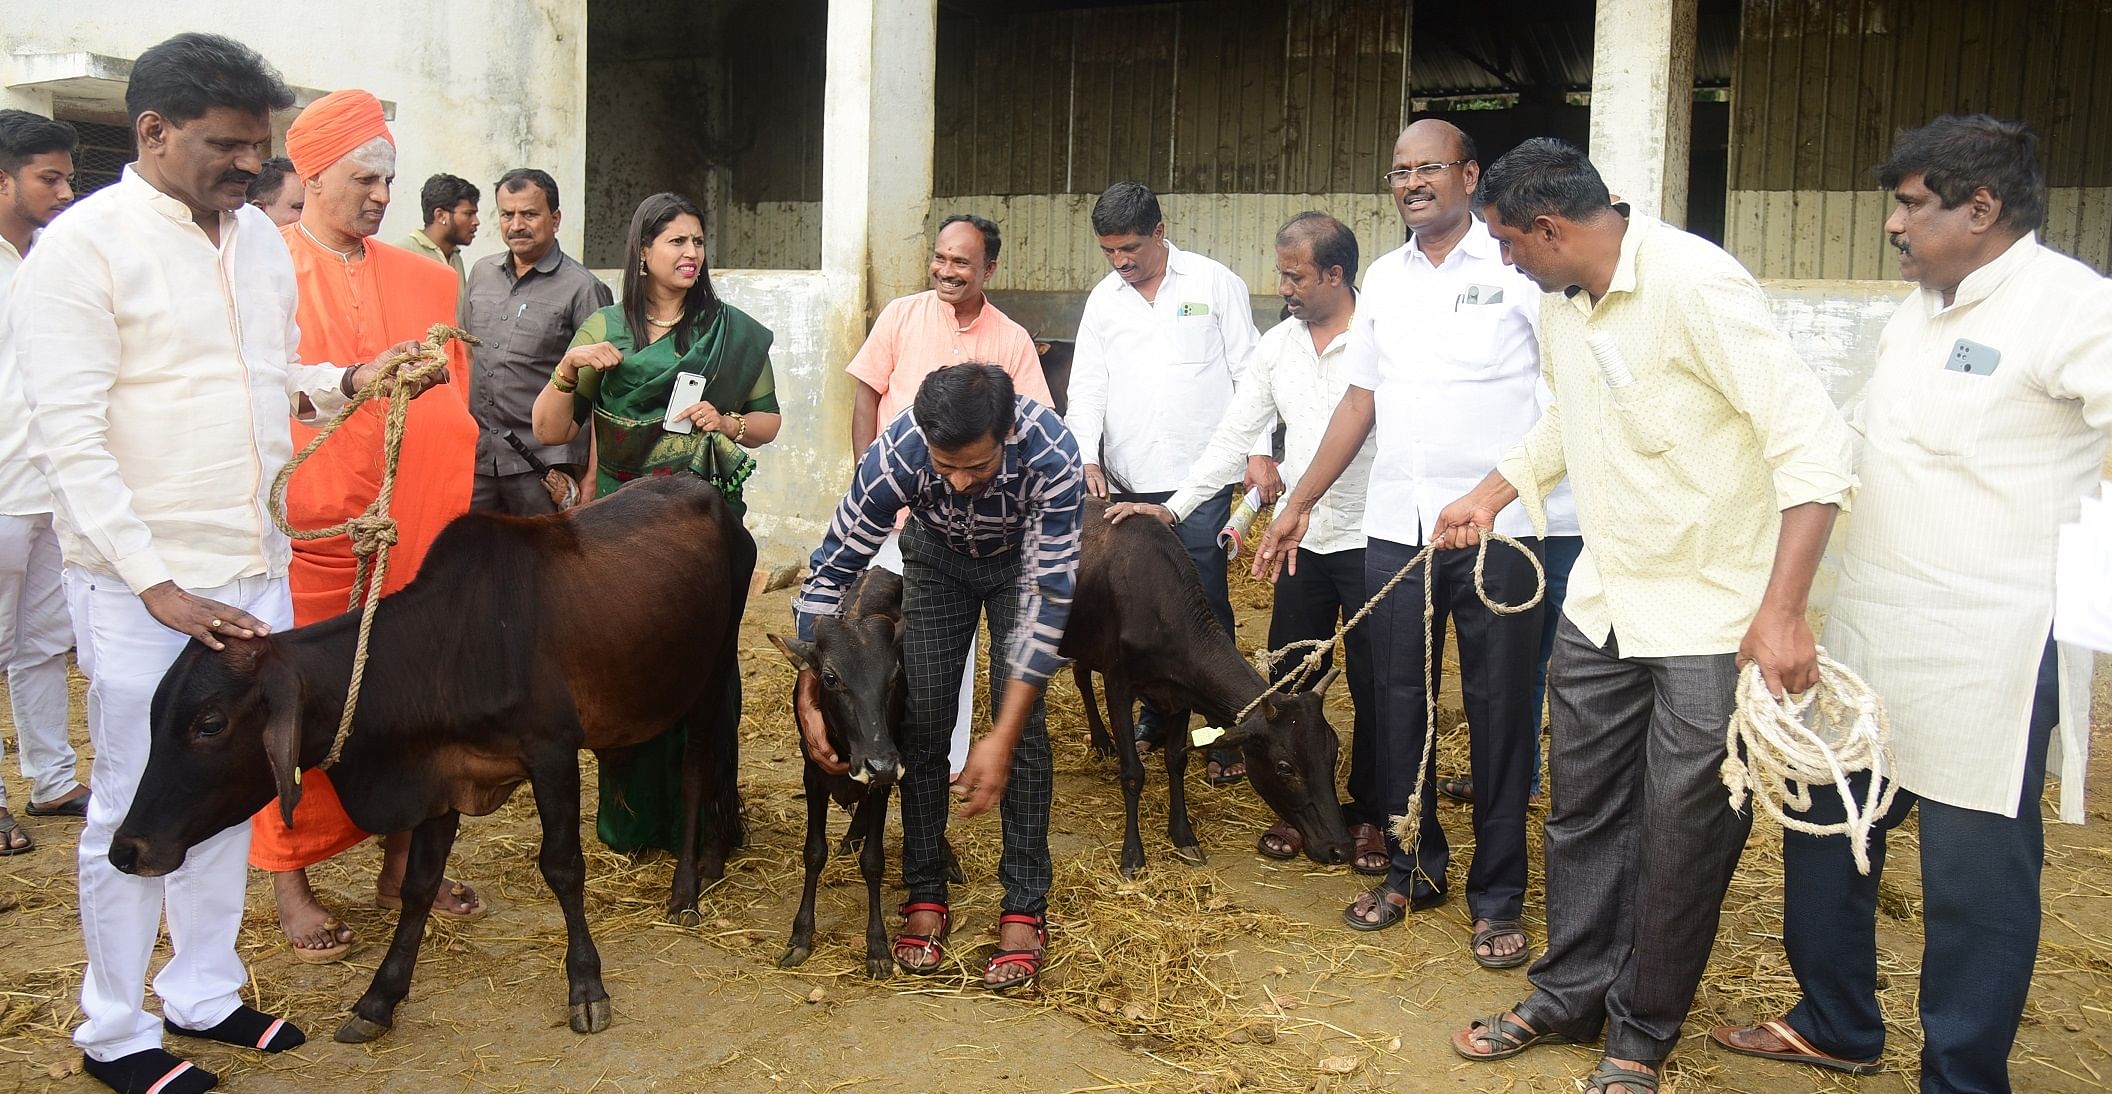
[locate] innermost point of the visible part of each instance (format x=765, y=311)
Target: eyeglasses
x=1401, y=176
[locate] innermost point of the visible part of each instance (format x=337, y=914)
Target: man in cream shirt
x=1708, y=465
x=155, y=335
x=1985, y=421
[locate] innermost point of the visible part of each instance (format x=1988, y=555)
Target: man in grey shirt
x=523, y=306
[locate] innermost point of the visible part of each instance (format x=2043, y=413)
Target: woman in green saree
x=622, y=380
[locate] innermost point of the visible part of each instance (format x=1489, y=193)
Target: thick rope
x=1783, y=756
x=373, y=531
x=1407, y=827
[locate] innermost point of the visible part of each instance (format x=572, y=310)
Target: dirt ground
x=1236, y=975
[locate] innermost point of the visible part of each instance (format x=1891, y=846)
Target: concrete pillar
x=1642, y=102
x=905, y=64
x=846, y=211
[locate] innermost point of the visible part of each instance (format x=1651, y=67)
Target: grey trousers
x=1641, y=842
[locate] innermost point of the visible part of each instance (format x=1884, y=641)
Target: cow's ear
x=282, y=728
x=801, y=654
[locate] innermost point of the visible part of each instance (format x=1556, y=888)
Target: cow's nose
x=124, y=853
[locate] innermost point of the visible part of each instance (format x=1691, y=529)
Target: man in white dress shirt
x=1985, y=421
x=1163, y=339
x=1297, y=376
x=155, y=335
x=1444, y=360
x=36, y=162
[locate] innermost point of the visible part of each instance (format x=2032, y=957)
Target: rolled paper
x=1608, y=355
x=1239, y=523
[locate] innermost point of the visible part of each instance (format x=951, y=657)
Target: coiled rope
x=373, y=531
x=1784, y=755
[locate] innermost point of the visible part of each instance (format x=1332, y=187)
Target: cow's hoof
x=879, y=968
x=1191, y=855
x=795, y=956
x=686, y=917
x=590, y=1017
x=1130, y=872
x=953, y=872
x=359, y=1031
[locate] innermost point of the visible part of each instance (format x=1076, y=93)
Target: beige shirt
x=1681, y=476
x=160, y=371
x=419, y=244
x=1946, y=587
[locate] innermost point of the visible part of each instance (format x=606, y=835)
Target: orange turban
x=330, y=127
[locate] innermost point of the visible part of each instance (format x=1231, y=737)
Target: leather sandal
x=1366, y=839
x=1612, y=1078
x=1496, y=929
x=1293, y=844
x=932, y=946
x=1504, y=1037
x=1794, y=1048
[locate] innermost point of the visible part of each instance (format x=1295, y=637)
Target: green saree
x=641, y=806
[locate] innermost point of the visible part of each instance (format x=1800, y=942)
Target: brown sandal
x=1369, y=841
x=1791, y=1048
x=1293, y=844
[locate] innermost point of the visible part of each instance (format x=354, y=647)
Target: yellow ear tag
x=1203, y=737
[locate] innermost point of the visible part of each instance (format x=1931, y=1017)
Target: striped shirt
x=1034, y=506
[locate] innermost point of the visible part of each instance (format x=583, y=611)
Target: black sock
x=137, y=1073
x=248, y=1028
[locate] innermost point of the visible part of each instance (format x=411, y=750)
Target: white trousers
x=124, y=653
x=34, y=637
x=889, y=558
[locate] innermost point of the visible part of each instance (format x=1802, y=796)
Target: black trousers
x=1980, y=916
x=944, y=594
x=1641, y=842
x=1496, y=659
x=1310, y=604
x=522, y=495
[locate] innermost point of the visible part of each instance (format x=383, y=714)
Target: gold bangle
x=743, y=430
x=563, y=386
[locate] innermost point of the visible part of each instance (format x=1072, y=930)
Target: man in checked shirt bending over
x=995, y=493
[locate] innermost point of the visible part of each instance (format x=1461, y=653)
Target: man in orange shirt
x=915, y=336
x=359, y=298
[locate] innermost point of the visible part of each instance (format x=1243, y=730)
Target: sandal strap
x=1609, y=1075
x=1030, y=958
x=1500, y=1032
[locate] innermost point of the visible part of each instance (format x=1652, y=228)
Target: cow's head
x=1290, y=751
x=225, y=734
x=859, y=662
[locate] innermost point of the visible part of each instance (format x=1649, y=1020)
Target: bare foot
x=307, y=924
x=453, y=899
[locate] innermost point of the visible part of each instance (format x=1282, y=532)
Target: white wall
x=479, y=86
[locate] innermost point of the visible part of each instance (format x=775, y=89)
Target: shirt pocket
x=1196, y=339
x=1642, y=414
x=1470, y=335
x=1947, y=411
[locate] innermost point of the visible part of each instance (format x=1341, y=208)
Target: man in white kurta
x=1984, y=423
x=155, y=336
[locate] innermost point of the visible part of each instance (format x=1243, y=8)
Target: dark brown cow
x=1139, y=619
x=522, y=641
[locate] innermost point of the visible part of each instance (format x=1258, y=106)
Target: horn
x=282, y=729
x=801, y=654
x=1327, y=680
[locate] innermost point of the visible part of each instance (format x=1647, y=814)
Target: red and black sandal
x=932, y=946
x=1029, y=960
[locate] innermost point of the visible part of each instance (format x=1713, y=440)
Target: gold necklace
x=664, y=323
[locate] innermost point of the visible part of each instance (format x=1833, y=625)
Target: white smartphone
x=688, y=392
